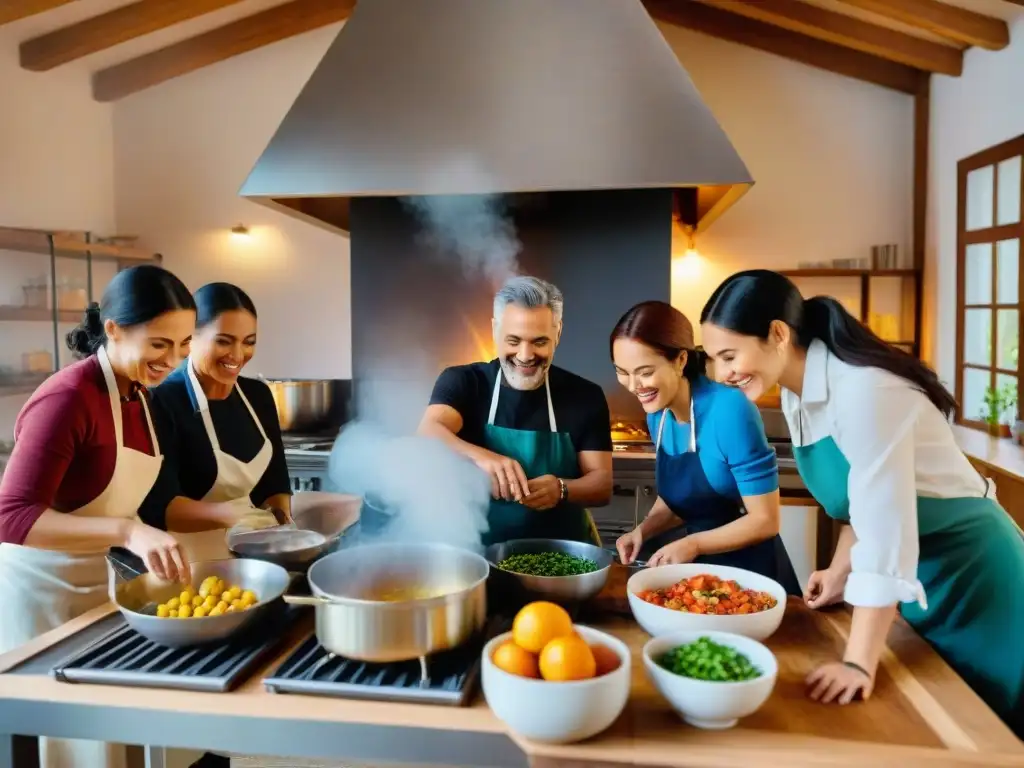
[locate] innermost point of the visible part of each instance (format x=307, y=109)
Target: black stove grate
x=452, y=676
x=124, y=657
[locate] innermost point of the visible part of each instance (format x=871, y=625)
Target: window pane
x=1008, y=200
x=980, y=188
x=1008, y=262
x=978, y=337
x=1007, y=339
x=978, y=274
x=975, y=384
x=1009, y=413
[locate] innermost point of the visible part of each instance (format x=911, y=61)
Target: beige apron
x=42, y=589
x=235, y=480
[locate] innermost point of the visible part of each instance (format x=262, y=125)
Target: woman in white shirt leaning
x=873, y=444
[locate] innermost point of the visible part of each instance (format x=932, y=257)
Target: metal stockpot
x=305, y=405
x=352, y=621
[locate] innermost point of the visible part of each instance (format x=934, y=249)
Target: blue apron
x=538, y=453
x=683, y=485
x=971, y=565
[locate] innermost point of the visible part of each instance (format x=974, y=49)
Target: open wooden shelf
x=39, y=314
x=21, y=384
x=826, y=272
x=71, y=244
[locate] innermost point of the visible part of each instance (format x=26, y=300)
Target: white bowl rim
x=623, y=651
x=780, y=604
x=732, y=639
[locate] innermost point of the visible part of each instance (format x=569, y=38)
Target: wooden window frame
x=994, y=234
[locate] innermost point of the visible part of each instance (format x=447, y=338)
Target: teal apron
x=538, y=453
x=971, y=565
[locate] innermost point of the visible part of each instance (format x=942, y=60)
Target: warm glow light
x=687, y=266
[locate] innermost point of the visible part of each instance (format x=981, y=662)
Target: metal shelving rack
x=59, y=244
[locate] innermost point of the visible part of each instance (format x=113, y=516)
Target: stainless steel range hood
x=446, y=97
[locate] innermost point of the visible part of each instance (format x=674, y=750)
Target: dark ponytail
x=664, y=328
x=88, y=336
x=134, y=296
x=748, y=302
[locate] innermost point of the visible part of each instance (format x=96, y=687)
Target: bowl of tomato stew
x=705, y=598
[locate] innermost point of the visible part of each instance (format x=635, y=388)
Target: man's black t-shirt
x=580, y=406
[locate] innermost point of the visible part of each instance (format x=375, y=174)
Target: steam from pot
x=433, y=493
x=477, y=229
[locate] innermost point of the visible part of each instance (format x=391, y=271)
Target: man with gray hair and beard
x=541, y=433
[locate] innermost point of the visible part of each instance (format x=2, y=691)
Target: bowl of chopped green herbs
x=711, y=679
x=554, y=569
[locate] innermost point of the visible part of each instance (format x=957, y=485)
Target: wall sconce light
x=240, y=231
x=687, y=266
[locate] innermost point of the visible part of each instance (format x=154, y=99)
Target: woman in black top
x=229, y=446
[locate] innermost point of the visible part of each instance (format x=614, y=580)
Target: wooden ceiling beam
x=248, y=34
x=948, y=21
x=838, y=28
x=12, y=10
x=734, y=28
x=109, y=29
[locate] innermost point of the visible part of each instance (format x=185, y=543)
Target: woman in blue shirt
x=716, y=474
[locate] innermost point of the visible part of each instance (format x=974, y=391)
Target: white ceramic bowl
x=556, y=712
x=659, y=621
x=706, y=704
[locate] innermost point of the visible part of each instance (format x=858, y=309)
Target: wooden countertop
x=999, y=453
x=921, y=714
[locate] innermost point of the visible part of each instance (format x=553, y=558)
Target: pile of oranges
x=545, y=645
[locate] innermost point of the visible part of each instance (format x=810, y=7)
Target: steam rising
x=476, y=228
x=433, y=493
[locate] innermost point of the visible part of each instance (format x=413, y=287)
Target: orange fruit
x=567, y=658
x=510, y=658
x=606, y=659
x=539, y=623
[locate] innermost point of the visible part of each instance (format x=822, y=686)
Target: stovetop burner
x=446, y=678
x=124, y=657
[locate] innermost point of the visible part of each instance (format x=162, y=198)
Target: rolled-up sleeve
x=875, y=419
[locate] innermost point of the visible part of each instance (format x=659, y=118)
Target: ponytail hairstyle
x=747, y=303
x=665, y=329
x=134, y=296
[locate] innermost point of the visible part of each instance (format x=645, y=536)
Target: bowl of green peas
x=558, y=570
x=711, y=679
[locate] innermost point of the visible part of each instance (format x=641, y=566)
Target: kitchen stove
x=448, y=678
x=121, y=656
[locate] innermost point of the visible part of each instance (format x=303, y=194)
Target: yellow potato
x=213, y=597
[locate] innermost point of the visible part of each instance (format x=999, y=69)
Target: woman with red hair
x=717, y=477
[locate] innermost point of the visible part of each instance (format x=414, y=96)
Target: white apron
x=234, y=482
x=42, y=589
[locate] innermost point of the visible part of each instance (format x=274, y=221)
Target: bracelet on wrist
x=563, y=489
x=858, y=667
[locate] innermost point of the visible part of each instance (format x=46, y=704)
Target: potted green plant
x=999, y=401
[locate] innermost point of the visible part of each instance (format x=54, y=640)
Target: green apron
x=971, y=565
x=538, y=453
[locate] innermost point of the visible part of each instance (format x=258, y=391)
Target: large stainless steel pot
x=353, y=621
x=306, y=405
